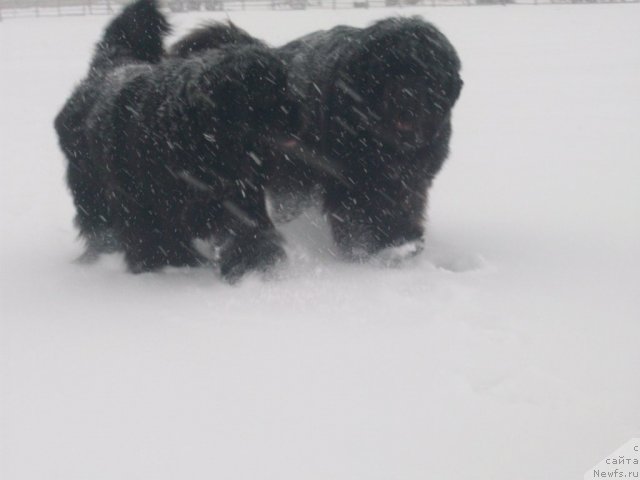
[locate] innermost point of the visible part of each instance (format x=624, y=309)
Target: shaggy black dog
x=376, y=110
x=164, y=151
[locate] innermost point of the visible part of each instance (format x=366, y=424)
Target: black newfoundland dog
x=375, y=105
x=162, y=151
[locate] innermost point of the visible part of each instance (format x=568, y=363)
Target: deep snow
x=508, y=350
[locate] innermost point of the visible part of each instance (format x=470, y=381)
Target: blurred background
x=35, y=8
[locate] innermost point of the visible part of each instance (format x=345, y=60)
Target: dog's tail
x=212, y=36
x=135, y=35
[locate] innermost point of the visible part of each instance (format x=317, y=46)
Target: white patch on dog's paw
x=394, y=256
x=207, y=248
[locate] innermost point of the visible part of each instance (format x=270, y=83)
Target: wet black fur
x=163, y=151
x=376, y=109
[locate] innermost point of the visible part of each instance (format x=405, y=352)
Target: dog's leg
x=93, y=215
x=150, y=241
x=365, y=222
x=151, y=250
x=253, y=242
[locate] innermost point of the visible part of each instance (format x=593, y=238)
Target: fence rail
x=45, y=8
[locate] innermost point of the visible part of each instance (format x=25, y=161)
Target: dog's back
x=212, y=36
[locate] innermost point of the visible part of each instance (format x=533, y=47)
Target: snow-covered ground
x=509, y=350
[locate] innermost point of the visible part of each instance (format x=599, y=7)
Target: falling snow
x=507, y=349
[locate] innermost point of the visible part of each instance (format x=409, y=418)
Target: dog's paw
x=395, y=256
x=143, y=262
x=258, y=252
x=89, y=257
x=142, y=267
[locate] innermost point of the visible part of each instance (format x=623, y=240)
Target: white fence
x=41, y=8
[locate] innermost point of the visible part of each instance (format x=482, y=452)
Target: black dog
x=376, y=110
x=164, y=151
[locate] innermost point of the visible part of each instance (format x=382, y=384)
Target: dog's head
x=272, y=111
x=243, y=96
x=399, y=82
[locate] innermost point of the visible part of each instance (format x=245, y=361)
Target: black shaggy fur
x=164, y=151
x=376, y=110
x=212, y=36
